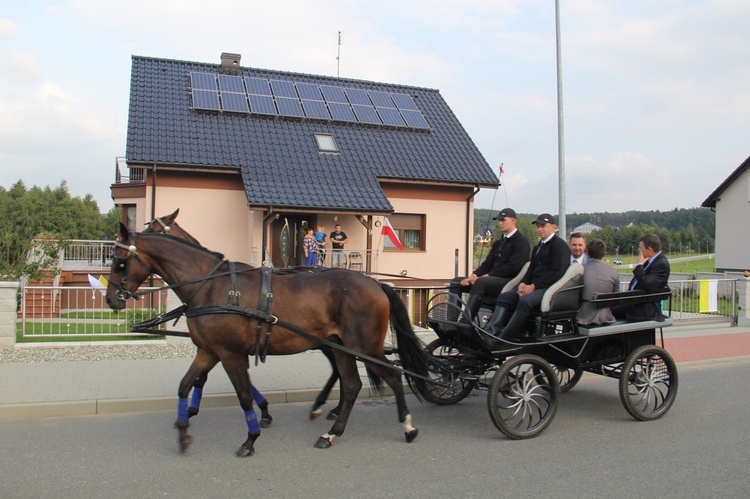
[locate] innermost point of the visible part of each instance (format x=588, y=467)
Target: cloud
x=7, y=28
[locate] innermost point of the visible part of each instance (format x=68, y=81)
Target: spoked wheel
x=452, y=388
x=567, y=378
x=648, y=382
x=523, y=396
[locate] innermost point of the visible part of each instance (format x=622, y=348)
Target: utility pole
x=560, y=134
x=338, y=58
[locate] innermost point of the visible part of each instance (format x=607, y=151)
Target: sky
x=656, y=94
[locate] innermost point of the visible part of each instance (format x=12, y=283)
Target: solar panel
x=262, y=104
x=404, y=101
x=366, y=114
x=357, y=96
x=229, y=83
x=234, y=101
x=380, y=99
x=390, y=116
x=289, y=107
x=315, y=109
x=309, y=91
x=414, y=118
x=333, y=94
x=341, y=111
x=206, y=99
x=283, y=89
x=258, y=86
x=203, y=81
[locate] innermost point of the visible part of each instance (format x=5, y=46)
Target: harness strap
x=265, y=301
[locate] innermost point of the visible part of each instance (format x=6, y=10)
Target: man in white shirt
x=577, y=245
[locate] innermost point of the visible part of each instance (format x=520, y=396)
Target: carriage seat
x=560, y=303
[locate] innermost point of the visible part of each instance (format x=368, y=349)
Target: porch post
x=8, y=313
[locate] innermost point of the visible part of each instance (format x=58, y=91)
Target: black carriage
x=525, y=380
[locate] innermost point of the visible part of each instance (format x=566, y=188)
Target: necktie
x=575, y=260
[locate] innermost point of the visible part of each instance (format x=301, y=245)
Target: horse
x=169, y=225
x=309, y=306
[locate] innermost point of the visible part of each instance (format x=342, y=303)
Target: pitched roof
x=711, y=200
x=278, y=156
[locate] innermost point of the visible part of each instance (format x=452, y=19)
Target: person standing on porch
x=338, y=239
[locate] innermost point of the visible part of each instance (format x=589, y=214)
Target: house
x=731, y=202
x=587, y=228
x=245, y=152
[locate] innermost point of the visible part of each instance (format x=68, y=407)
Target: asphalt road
x=593, y=448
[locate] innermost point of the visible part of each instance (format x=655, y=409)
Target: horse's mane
x=218, y=255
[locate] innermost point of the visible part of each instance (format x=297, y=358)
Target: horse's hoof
x=411, y=435
x=266, y=422
x=185, y=443
x=323, y=443
x=315, y=414
x=332, y=416
x=244, y=451
x=192, y=411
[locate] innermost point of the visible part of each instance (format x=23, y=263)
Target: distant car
x=618, y=261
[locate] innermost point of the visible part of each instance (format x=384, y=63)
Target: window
x=130, y=213
x=326, y=143
x=410, y=230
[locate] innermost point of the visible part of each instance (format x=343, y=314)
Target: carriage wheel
x=567, y=378
x=455, y=389
x=523, y=396
x=648, y=382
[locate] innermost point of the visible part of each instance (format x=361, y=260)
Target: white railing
x=56, y=311
x=80, y=311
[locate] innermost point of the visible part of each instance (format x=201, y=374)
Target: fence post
x=743, y=312
x=8, y=314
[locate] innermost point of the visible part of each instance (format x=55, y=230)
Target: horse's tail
x=410, y=348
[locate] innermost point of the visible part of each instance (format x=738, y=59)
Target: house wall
x=213, y=208
x=732, y=240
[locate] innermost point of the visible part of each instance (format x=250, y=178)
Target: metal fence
x=56, y=311
x=80, y=311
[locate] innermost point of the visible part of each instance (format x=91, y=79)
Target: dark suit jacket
x=651, y=279
x=506, y=257
x=549, y=261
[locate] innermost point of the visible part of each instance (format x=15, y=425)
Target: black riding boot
x=500, y=317
x=473, y=304
x=516, y=325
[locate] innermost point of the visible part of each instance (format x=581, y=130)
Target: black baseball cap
x=504, y=213
x=544, y=219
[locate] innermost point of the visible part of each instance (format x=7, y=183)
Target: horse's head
x=128, y=270
x=168, y=225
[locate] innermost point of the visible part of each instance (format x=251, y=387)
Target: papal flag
x=709, y=296
x=100, y=284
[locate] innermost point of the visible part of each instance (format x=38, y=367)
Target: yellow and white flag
x=100, y=284
x=709, y=296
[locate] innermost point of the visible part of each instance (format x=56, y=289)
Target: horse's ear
x=172, y=217
x=122, y=232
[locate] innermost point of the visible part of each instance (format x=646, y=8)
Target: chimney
x=230, y=60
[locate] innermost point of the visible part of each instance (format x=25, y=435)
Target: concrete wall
x=8, y=313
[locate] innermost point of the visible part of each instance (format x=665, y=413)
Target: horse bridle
x=120, y=266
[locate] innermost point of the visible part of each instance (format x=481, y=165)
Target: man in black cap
x=549, y=261
x=504, y=261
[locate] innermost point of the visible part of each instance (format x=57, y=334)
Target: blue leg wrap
x=195, y=400
x=257, y=396
x=252, y=422
x=182, y=411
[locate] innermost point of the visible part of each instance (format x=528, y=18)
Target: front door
x=286, y=239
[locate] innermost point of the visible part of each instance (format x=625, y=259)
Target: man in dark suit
x=504, y=261
x=549, y=261
x=598, y=277
x=650, y=275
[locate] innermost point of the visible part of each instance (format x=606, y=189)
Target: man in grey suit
x=598, y=277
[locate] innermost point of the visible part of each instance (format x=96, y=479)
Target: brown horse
x=169, y=225
x=308, y=305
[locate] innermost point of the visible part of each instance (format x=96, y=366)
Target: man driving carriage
x=549, y=261
x=504, y=261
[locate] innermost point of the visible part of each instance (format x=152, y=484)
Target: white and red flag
x=391, y=233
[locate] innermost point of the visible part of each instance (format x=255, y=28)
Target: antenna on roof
x=338, y=57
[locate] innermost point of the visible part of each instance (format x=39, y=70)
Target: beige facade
x=732, y=210
x=214, y=209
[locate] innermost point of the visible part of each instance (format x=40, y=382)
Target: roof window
x=326, y=143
